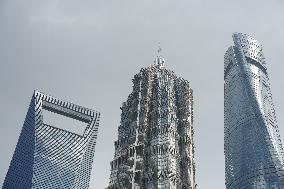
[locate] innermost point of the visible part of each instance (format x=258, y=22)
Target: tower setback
x=155, y=137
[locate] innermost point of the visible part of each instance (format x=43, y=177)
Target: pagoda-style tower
x=155, y=138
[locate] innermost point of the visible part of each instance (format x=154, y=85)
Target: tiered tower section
x=253, y=149
x=155, y=139
x=49, y=157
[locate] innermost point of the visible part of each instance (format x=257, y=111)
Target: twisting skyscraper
x=155, y=138
x=253, y=149
x=50, y=157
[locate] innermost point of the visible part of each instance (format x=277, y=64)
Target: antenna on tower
x=159, y=49
x=159, y=60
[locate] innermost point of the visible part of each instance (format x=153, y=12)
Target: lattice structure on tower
x=155, y=146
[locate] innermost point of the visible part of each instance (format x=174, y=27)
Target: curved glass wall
x=253, y=149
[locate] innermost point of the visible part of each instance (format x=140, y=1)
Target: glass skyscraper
x=253, y=149
x=155, y=137
x=50, y=157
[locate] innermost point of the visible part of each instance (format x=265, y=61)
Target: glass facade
x=50, y=157
x=253, y=149
x=155, y=138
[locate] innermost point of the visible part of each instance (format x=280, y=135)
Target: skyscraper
x=155, y=136
x=50, y=157
x=253, y=149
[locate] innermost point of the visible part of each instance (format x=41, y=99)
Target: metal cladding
x=155, y=138
x=49, y=157
x=253, y=149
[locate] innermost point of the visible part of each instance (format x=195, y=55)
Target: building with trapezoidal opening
x=253, y=149
x=155, y=137
x=50, y=157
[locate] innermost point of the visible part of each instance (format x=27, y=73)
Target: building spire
x=159, y=49
x=159, y=60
